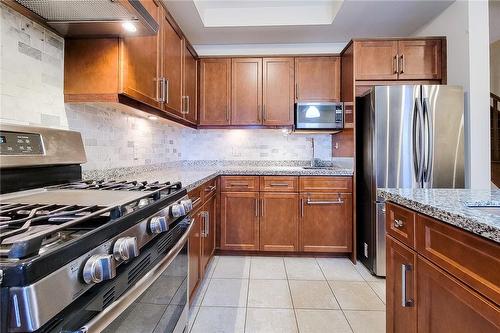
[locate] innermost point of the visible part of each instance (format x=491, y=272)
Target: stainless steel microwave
x=319, y=116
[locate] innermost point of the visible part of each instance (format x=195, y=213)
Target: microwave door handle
x=113, y=311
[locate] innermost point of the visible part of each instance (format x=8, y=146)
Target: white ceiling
x=355, y=19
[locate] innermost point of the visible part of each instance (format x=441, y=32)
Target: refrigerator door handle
x=417, y=127
x=429, y=144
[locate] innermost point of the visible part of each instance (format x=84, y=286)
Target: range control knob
x=98, y=268
x=188, y=205
x=158, y=224
x=178, y=210
x=125, y=248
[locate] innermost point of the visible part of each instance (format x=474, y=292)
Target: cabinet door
x=277, y=91
x=376, y=60
x=401, y=283
x=172, y=51
x=279, y=221
x=215, y=91
x=194, y=244
x=246, y=91
x=208, y=226
x=189, y=102
x=446, y=305
x=326, y=222
x=141, y=63
x=317, y=79
x=420, y=59
x=239, y=221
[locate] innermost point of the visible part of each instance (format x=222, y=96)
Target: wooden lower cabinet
x=239, y=221
x=208, y=231
x=447, y=305
x=400, y=264
x=326, y=222
x=194, y=246
x=279, y=221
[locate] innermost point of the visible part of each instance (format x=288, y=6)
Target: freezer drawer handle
x=404, y=301
x=398, y=223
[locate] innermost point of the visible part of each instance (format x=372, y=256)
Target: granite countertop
x=192, y=176
x=452, y=206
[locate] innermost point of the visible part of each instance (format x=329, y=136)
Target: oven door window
x=319, y=115
x=162, y=308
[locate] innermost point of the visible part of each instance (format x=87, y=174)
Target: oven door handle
x=108, y=315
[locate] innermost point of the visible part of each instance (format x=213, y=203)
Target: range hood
x=80, y=18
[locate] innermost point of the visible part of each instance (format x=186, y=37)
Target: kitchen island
x=443, y=255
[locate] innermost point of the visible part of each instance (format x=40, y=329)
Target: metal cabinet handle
x=206, y=219
x=195, y=202
x=336, y=202
x=296, y=91
x=166, y=87
x=210, y=188
x=262, y=207
x=395, y=64
x=402, y=64
x=227, y=113
x=239, y=184
x=264, y=112
x=301, y=207
x=203, y=229
x=278, y=184
x=398, y=223
x=188, y=104
x=162, y=90
x=256, y=207
x=259, y=111
x=185, y=101
x=404, y=301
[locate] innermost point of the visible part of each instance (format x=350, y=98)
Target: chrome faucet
x=313, y=161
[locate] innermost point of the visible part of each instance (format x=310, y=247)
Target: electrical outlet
x=365, y=249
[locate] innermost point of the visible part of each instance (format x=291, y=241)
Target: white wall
x=465, y=24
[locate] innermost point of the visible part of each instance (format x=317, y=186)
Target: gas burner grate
x=118, y=185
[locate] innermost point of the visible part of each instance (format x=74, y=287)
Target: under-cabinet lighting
x=152, y=118
x=129, y=26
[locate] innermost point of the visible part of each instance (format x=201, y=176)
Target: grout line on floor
x=291, y=297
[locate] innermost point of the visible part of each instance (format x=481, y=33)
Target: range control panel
x=16, y=143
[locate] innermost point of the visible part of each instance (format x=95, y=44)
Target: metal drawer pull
x=206, y=220
x=336, y=202
x=398, y=223
x=195, y=202
x=405, y=302
x=203, y=229
x=210, y=188
x=302, y=207
x=239, y=184
x=278, y=184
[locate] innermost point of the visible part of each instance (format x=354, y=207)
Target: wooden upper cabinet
x=246, y=93
x=215, y=91
x=277, y=91
x=172, y=66
x=317, y=79
x=189, y=94
x=141, y=63
x=420, y=59
x=376, y=60
x=401, y=267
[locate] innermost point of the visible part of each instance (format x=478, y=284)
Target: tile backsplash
x=31, y=92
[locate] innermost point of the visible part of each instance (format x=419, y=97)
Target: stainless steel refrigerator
x=407, y=136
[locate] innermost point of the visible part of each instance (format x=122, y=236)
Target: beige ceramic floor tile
x=303, y=269
x=356, y=296
x=200, y=292
x=339, y=269
x=232, y=268
x=322, y=321
x=379, y=288
x=211, y=266
x=226, y=292
x=269, y=294
x=366, y=274
x=219, y=320
x=312, y=295
x=267, y=268
x=366, y=321
x=270, y=321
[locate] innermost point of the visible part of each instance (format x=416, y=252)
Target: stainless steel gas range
x=86, y=256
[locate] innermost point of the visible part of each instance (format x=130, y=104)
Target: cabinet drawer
x=196, y=196
x=239, y=183
x=468, y=257
x=400, y=224
x=210, y=188
x=325, y=184
x=279, y=184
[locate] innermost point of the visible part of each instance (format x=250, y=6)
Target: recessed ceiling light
x=129, y=26
x=152, y=118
